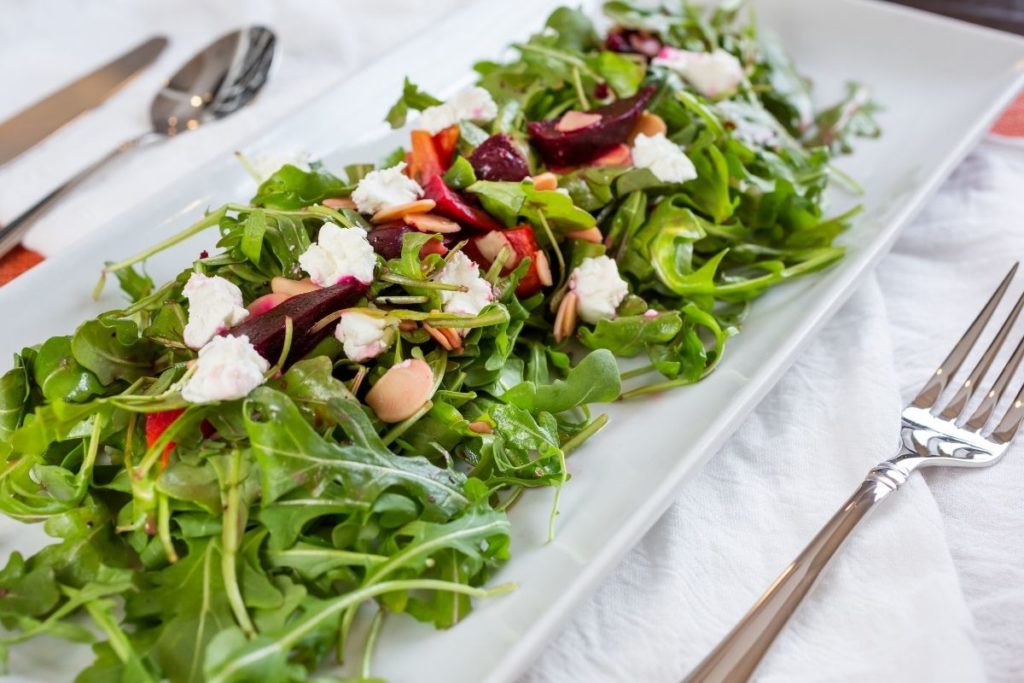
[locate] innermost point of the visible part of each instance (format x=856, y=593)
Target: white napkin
x=931, y=587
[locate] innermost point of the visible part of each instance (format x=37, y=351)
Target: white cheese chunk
x=712, y=74
x=461, y=270
x=663, y=157
x=599, y=288
x=472, y=104
x=227, y=368
x=214, y=305
x=385, y=188
x=364, y=336
x=339, y=253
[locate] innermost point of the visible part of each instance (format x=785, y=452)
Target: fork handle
x=739, y=653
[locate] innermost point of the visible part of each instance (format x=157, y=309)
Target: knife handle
x=739, y=653
x=11, y=233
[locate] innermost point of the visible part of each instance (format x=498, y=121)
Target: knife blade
x=32, y=125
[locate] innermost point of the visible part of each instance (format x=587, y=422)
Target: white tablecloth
x=930, y=589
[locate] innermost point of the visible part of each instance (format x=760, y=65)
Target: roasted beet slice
x=632, y=41
x=581, y=145
x=386, y=240
x=266, y=332
x=451, y=205
x=498, y=159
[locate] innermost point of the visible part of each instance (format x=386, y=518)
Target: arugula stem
x=562, y=274
x=286, y=347
x=396, y=279
x=163, y=518
x=308, y=624
x=401, y=300
x=403, y=426
x=208, y=221
x=596, y=425
x=558, y=496
x=371, y=642
x=580, y=93
x=637, y=372
x=231, y=529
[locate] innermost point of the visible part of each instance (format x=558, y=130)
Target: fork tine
x=963, y=395
x=1007, y=427
x=937, y=382
x=988, y=404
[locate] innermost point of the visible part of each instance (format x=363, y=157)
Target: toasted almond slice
x=480, y=427
x=393, y=213
x=408, y=325
x=649, y=124
x=266, y=302
x=454, y=337
x=545, y=181
x=491, y=244
x=402, y=390
x=430, y=222
x=543, y=268
x=565, y=319
x=438, y=336
x=339, y=203
x=575, y=120
x=588, y=235
x=283, y=285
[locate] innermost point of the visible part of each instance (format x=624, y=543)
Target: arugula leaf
x=595, y=379
x=412, y=98
x=291, y=454
x=113, y=350
x=14, y=394
x=60, y=376
x=628, y=336
x=292, y=188
x=507, y=201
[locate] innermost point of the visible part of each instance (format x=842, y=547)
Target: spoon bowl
x=219, y=80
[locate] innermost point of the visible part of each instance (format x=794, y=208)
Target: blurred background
x=1007, y=15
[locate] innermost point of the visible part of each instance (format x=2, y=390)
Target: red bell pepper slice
x=425, y=163
x=157, y=424
x=445, y=142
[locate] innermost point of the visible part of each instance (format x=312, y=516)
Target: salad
x=337, y=407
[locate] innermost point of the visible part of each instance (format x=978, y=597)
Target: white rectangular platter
x=941, y=83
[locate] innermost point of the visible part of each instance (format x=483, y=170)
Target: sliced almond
x=438, y=336
x=402, y=390
x=565, y=319
x=430, y=222
x=491, y=244
x=408, y=325
x=266, y=302
x=543, y=268
x=480, y=427
x=454, y=337
x=575, y=120
x=588, y=235
x=649, y=124
x=339, y=203
x=545, y=181
x=283, y=285
x=393, y=213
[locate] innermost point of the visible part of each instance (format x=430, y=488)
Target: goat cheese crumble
x=364, y=336
x=227, y=368
x=713, y=74
x=339, y=253
x=663, y=157
x=385, y=188
x=472, y=104
x=461, y=270
x=599, y=288
x=214, y=305
x=265, y=165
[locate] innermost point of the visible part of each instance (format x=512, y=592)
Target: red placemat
x=1011, y=123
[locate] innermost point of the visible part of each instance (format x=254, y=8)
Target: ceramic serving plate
x=941, y=82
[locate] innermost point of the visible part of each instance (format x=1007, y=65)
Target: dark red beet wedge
x=266, y=332
x=451, y=205
x=386, y=240
x=498, y=159
x=632, y=41
x=576, y=147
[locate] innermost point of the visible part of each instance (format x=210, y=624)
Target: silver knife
x=33, y=125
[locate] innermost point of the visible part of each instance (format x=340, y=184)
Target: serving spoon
x=219, y=80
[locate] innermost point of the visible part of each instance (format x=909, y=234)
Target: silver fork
x=929, y=437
